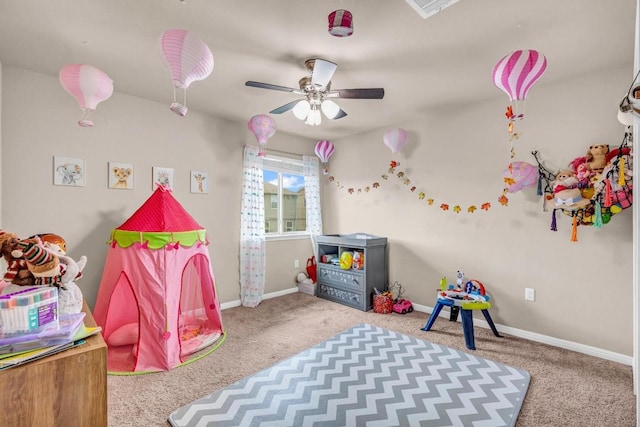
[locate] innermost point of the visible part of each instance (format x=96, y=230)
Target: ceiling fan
x=316, y=89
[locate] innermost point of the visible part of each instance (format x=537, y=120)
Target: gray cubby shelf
x=353, y=287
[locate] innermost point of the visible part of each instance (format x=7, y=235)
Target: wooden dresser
x=67, y=389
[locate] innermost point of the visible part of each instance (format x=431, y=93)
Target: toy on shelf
x=465, y=299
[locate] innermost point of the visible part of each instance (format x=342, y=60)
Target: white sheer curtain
x=252, y=241
x=312, y=199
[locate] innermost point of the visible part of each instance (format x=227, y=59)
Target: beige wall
x=39, y=121
x=583, y=289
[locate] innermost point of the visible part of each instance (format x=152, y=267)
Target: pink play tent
x=157, y=302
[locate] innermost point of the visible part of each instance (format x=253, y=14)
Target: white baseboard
x=544, y=339
x=532, y=336
x=237, y=303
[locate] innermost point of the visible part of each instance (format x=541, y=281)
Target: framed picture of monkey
x=120, y=175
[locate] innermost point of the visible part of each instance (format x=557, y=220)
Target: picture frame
x=162, y=176
x=69, y=171
x=120, y=175
x=199, y=182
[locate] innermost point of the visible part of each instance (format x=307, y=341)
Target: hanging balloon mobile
x=262, y=127
x=395, y=139
x=515, y=74
x=340, y=23
x=324, y=149
x=88, y=85
x=520, y=175
x=188, y=59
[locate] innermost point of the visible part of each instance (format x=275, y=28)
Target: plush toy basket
x=382, y=304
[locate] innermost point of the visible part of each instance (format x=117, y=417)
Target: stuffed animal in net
x=596, y=158
x=566, y=192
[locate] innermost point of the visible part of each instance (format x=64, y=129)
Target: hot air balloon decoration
x=262, y=127
x=520, y=175
x=88, y=85
x=395, y=139
x=324, y=149
x=515, y=74
x=188, y=59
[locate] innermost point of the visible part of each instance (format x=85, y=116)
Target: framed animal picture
x=68, y=171
x=199, y=182
x=120, y=175
x=162, y=176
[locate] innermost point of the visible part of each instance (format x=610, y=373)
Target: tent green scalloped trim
x=157, y=239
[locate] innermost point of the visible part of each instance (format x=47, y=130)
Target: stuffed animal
x=70, y=298
x=44, y=266
x=566, y=193
x=17, y=272
x=303, y=278
x=596, y=158
x=52, y=267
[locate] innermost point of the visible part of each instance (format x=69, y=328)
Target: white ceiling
x=423, y=64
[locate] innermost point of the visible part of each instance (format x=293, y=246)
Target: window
x=285, y=212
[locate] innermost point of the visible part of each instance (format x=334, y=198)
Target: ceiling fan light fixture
x=314, y=118
x=301, y=110
x=330, y=108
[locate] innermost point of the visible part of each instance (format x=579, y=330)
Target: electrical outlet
x=529, y=294
x=296, y=264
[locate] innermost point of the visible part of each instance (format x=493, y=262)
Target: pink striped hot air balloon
x=188, y=59
x=88, y=85
x=520, y=175
x=395, y=139
x=515, y=74
x=324, y=149
x=262, y=127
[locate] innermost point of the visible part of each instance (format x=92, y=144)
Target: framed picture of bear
x=68, y=171
x=120, y=175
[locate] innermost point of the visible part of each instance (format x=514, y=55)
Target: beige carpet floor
x=567, y=388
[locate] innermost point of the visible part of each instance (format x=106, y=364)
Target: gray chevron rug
x=368, y=376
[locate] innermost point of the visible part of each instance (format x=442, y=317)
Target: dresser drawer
x=345, y=279
x=353, y=299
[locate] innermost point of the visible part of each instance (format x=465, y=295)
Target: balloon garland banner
x=402, y=176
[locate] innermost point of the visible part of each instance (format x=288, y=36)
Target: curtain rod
x=282, y=152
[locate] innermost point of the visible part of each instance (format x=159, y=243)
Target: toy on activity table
x=470, y=296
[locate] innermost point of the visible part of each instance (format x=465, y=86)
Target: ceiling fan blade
x=371, y=93
x=284, y=108
x=340, y=114
x=322, y=73
x=270, y=86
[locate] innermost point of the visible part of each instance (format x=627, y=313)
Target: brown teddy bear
x=596, y=158
x=17, y=270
